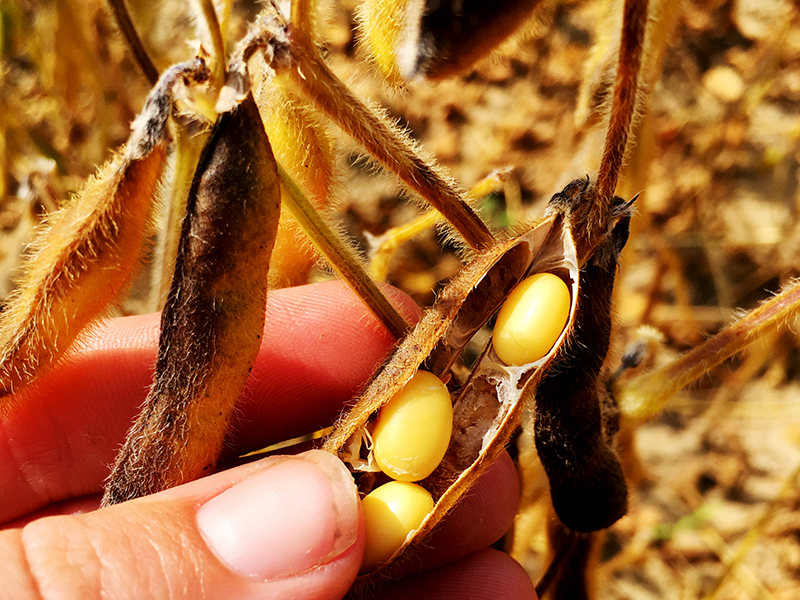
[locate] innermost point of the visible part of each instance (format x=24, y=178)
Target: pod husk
x=85, y=258
x=410, y=38
x=488, y=406
x=212, y=323
x=303, y=145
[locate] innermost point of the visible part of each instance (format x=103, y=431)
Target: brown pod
x=487, y=407
x=573, y=431
x=458, y=33
x=409, y=38
x=570, y=566
x=212, y=323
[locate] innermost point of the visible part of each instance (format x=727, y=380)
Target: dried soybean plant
x=577, y=243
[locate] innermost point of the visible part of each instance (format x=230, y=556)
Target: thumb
x=287, y=527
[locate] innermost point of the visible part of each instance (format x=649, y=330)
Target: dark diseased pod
x=454, y=34
x=575, y=420
x=437, y=38
x=212, y=323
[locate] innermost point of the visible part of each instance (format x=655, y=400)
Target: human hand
x=288, y=527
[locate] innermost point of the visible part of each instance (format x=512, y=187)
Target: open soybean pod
x=487, y=408
x=212, y=323
x=84, y=260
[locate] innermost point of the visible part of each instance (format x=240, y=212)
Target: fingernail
x=295, y=514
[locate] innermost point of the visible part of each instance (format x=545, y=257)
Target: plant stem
x=125, y=24
x=341, y=258
x=623, y=107
x=209, y=14
x=645, y=396
x=383, y=141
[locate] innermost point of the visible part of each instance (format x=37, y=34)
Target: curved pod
x=214, y=315
x=487, y=407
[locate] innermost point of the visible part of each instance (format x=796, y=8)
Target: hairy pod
x=487, y=407
x=212, y=323
x=85, y=258
x=407, y=38
x=303, y=145
x=575, y=418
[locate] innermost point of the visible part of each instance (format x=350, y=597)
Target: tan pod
x=487, y=407
x=87, y=255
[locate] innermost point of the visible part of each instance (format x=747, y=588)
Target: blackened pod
x=212, y=323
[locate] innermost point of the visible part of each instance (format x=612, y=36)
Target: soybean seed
x=391, y=512
x=531, y=319
x=413, y=429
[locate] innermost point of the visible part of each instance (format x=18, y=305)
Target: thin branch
x=209, y=13
x=385, y=143
x=623, y=107
x=645, y=395
x=340, y=256
x=134, y=41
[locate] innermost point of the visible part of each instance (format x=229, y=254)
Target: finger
x=477, y=521
x=482, y=516
x=486, y=575
x=283, y=527
x=319, y=351
x=320, y=346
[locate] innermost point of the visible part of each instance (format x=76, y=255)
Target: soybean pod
x=487, y=407
x=85, y=258
x=212, y=323
x=574, y=429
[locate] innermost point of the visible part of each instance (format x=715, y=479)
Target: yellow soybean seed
x=413, y=429
x=531, y=319
x=391, y=512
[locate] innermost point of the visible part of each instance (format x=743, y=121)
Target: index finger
x=320, y=345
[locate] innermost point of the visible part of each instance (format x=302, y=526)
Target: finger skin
x=59, y=444
x=485, y=575
x=153, y=547
x=62, y=435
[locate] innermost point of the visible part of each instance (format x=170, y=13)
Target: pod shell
x=488, y=406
